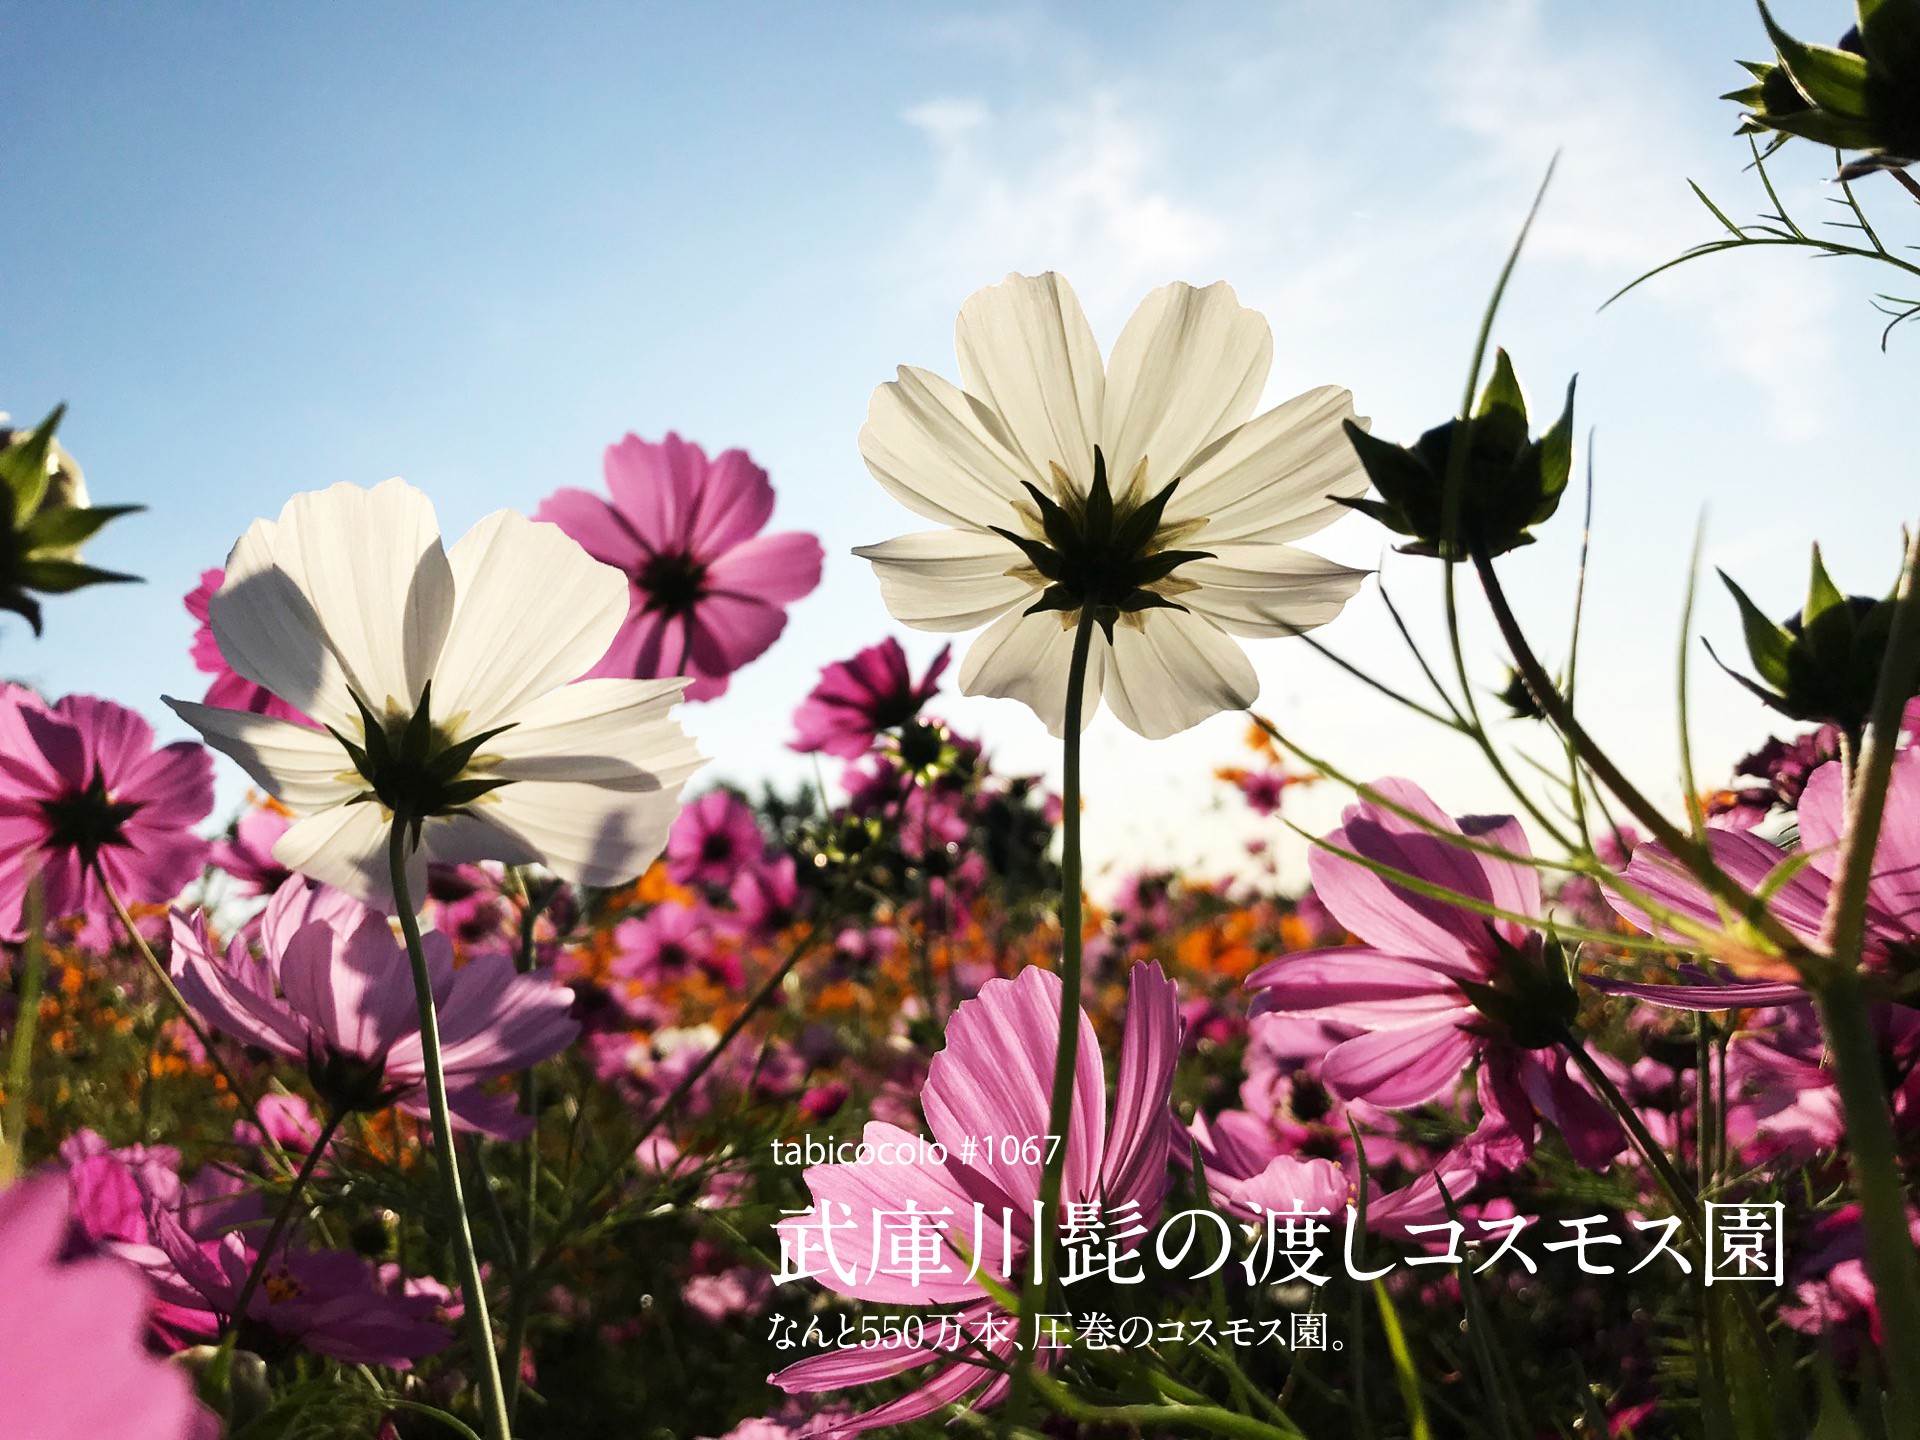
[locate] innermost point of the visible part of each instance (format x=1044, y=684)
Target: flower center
x=89, y=820
x=1530, y=997
x=1111, y=556
x=674, y=582
x=416, y=769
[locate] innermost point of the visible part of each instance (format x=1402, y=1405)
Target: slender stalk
x=695, y=1073
x=1876, y=1179
x=1211, y=1419
x=1682, y=1196
x=1842, y=1003
x=26, y=1020
x=1066, y=1058
x=520, y=1301
x=1671, y=1180
x=282, y=1220
x=186, y=1011
x=493, y=1400
x=1695, y=856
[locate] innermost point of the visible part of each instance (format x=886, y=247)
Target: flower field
x=493, y=1072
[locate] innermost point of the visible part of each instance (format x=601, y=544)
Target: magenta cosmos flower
x=335, y=992
x=1797, y=897
x=994, y=1078
x=72, y=1362
x=860, y=699
x=328, y=1301
x=227, y=690
x=1436, y=988
x=709, y=592
x=713, y=840
x=84, y=795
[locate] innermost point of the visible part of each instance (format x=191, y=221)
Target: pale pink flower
x=72, y=1362
x=994, y=1078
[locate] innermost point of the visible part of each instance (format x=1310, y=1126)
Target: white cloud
x=1075, y=186
x=1618, y=206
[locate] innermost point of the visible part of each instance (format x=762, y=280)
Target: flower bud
x=44, y=520
x=1822, y=664
x=1863, y=94
x=1508, y=482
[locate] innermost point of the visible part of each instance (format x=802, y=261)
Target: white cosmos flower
x=348, y=608
x=1034, y=428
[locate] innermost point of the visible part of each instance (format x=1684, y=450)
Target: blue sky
x=262, y=249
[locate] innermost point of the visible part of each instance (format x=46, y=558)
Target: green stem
x=26, y=1020
x=1876, y=1177
x=1842, y=1001
x=280, y=1222
x=1697, y=858
x=187, y=1013
x=1211, y=1419
x=1066, y=1058
x=493, y=1400
x=520, y=1302
x=1671, y=1180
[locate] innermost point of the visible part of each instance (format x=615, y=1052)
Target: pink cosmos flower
x=247, y=855
x=1435, y=987
x=328, y=1301
x=765, y=897
x=335, y=992
x=857, y=700
x=994, y=1077
x=72, y=1365
x=1291, y=1185
x=1799, y=902
x=709, y=591
x=83, y=794
x=228, y=691
x=672, y=940
x=712, y=839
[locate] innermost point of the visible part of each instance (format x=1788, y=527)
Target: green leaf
x=1502, y=390
x=1768, y=642
x=1556, y=458
x=1403, y=1367
x=23, y=464
x=1397, y=473
x=62, y=577
x=22, y=604
x=66, y=528
x=1835, y=80
x=1822, y=593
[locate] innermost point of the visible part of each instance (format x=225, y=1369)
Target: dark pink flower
x=247, y=855
x=72, y=1362
x=335, y=991
x=709, y=591
x=228, y=690
x=713, y=839
x=994, y=1078
x=670, y=941
x=328, y=1301
x=1437, y=987
x=857, y=700
x=766, y=898
x=83, y=793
